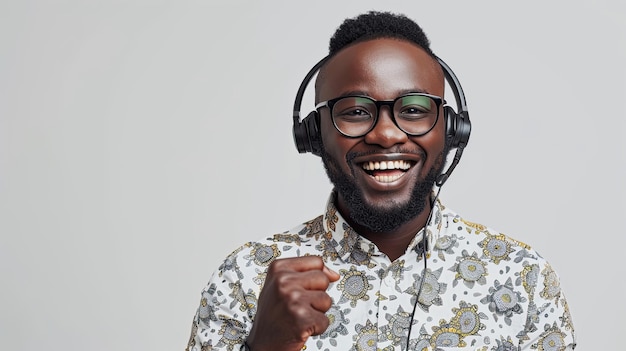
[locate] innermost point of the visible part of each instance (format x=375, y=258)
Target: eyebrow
x=401, y=92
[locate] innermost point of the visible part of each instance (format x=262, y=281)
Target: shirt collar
x=346, y=242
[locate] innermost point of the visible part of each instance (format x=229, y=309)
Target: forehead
x=380, y=68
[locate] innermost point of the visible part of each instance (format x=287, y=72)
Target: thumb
x=332, y=275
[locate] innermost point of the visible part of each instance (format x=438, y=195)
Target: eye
x=355, y=114
x=414, y=112
x=414, y=107
x=353, y=109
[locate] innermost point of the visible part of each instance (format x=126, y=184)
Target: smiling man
x=387, y=266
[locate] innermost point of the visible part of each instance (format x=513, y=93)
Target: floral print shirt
x=481, y=290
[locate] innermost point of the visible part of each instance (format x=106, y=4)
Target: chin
x=386, y=213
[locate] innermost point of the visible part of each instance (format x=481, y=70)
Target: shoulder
x=488, y=242
x=502, y=259
x=259, y=254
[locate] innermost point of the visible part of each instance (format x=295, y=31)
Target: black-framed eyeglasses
x=356, y=115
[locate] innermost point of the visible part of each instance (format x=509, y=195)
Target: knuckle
x=300, y=312
x=327, y=302
x=275, y=266
x=283, y=281
x=294, y=295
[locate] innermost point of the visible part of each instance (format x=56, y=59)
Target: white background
x=142, y=141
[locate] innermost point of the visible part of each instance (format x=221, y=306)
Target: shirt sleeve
x=548, y=324
x=224, y=317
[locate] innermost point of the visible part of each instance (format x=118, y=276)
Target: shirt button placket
x=386, y=304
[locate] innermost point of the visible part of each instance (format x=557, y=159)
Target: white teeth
x=388, y=178
x=399, y=164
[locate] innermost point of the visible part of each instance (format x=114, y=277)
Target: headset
x=307, y=136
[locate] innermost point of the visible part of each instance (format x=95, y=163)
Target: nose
x=386, y=133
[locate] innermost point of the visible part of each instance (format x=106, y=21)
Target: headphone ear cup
x=458, y=128
x=451, y=122
x=314, y=135
x=300, y=137
x=463, y=129
x=306, y=135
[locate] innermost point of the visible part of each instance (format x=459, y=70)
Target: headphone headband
x=305, y=82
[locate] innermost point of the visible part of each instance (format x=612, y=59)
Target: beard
x=380, y=219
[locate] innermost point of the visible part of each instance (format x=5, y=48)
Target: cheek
x=433, y=143
x=335, y=144
x=326, y=129
x=326, y=132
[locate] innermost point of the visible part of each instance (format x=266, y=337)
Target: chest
x=443, y=306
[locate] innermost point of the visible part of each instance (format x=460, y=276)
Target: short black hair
x=375, y=25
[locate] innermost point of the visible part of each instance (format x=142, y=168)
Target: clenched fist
x=292, y=304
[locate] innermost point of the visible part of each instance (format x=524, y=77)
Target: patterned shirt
x=481, y=290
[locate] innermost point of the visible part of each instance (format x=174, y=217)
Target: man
x=387, y=267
